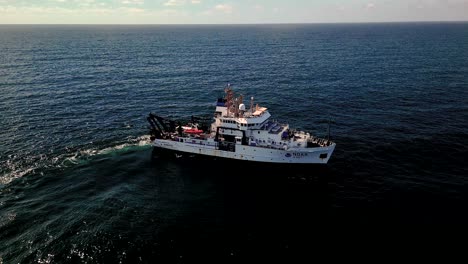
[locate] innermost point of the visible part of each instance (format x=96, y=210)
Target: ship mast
x=251, y=105
x=232, y=102
x=239, y=102
x=229, y=98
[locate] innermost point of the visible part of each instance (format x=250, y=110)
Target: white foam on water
x=8, y=177
x=17, y=169
x=46, y=259
x=136, y=142
x=7, y=218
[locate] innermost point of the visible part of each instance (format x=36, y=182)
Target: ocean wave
x=18, y=166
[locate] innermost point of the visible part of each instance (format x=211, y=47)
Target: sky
x=228, y=11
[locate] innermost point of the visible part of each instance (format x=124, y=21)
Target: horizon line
x=233, y=24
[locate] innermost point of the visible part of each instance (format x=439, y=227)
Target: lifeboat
x=193, y=131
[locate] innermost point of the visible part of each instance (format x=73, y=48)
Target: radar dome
x=242, y=107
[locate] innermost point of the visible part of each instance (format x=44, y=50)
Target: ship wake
x=18, y=166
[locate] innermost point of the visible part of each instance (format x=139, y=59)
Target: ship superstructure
x=240, y=133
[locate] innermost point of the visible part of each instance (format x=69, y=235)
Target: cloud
x=6, y=9
x=84, y=3
x=259, y=7
x=180, y=2
x=34, y=10
x=133, y=2
x=225, y=8
x=226, y=11
x=135, y=10
x=221, y=8
x=175, y=3
x=370, y=6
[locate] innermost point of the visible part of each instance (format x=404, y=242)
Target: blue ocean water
x=77, y=182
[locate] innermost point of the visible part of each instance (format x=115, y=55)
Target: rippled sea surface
x=77, y=182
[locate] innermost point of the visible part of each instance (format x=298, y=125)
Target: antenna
x=229, y=98
x=251, y=104
x=330, y=121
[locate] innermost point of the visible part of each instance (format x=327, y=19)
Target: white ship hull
x=236, y=133
x=315, y=155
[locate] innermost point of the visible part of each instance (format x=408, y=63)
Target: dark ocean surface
x=78, y=185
